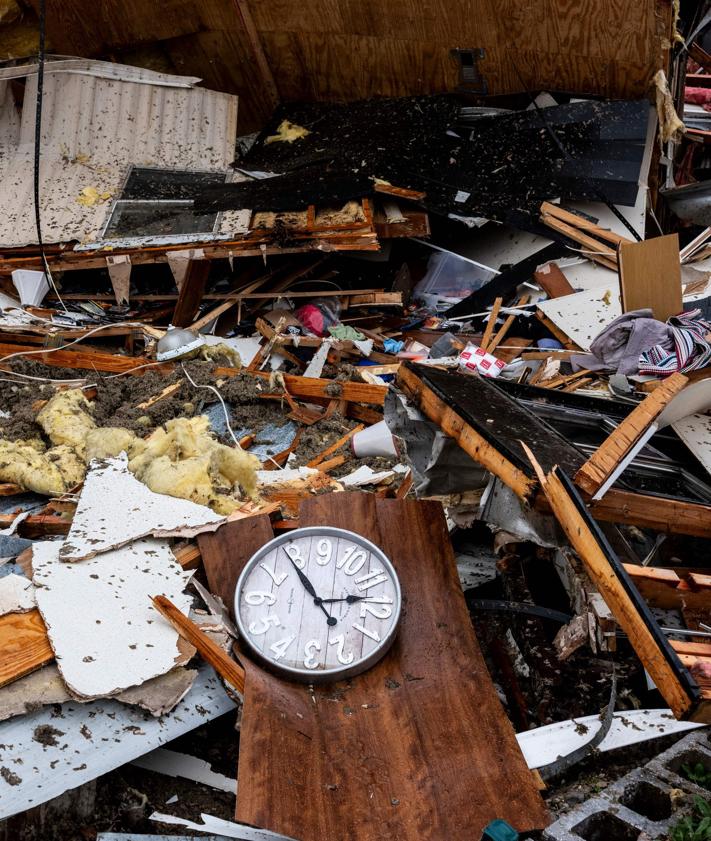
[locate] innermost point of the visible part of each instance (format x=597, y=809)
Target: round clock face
x=318, y=603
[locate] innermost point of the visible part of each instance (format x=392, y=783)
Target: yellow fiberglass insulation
x=52, y=472
x=109, y=442
x=184, y=459
x=66, y=419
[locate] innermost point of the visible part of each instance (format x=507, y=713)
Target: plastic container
x=449, y=279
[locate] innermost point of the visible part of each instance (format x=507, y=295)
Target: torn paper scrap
x=104, y=631
x=115, y=509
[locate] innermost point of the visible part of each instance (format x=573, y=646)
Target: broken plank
x=607, y=573
x=190, y=292
x=355, y=392
x=24, y=645
x=490, y=323
x=386, y=737
x=552, y=281
x=110, y=362
x=167, y=392
x=625, y=441
x=324, y=454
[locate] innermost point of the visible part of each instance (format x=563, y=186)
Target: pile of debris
x=381, y=437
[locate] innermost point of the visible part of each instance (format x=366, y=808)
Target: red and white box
x=476, y=359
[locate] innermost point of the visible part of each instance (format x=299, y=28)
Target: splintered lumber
x=355, y=392
x=487, y=424
x=417, y=728
x=552, y=281
x=665, y=588
x=224, y=665
x=490, y=323
x=505, y=327
x=625, y=441
x=91, y=361
x=622, y=597
x=324, y=454
x=24, y=645
x=650, y=276
x=190, y=292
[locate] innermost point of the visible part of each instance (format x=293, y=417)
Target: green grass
x=694, y=827
x=699, y=774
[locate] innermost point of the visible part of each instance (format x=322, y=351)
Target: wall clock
x=318, y=604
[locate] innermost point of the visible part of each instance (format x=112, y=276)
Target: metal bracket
x=470, y=78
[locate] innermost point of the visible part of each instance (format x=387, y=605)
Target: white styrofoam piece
x=695, y=432
x=583, y=315
x=365, y=476
x=546, y=744
x=174, y=764
x=17, y=594
x=221, y=827
x=95, y=738
x=102, y=626
x=115, y=509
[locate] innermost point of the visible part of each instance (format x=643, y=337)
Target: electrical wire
x=38, y=140
x=219, y=397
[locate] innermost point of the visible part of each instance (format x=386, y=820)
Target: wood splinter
x=224, y=665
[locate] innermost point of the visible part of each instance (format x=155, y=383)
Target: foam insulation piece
x=95, y=738
x=102, y=626
x=287, y=132
x=48, y=473
x=66, y=419
x=17, y=594
x=108, y=442
x=174, y=764
x=115, y=509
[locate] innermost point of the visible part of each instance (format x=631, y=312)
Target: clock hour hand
x=308, y=586
x=348, y=600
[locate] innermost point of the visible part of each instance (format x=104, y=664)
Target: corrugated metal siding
x=93, y=129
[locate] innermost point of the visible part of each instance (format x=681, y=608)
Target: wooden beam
x=621, y=596
x=623, y=442
x=190, y=293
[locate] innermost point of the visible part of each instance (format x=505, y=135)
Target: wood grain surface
x=419, y=746
x=24, y=645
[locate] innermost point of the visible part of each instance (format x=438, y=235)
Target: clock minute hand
x=308, y=586
x=348, y=600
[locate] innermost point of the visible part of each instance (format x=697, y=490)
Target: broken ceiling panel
x=88, y=740
x=115, y=509
x=105, y=633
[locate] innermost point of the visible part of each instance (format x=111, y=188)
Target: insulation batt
x=182, y=459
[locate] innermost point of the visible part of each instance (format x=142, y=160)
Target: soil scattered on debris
x=45, y=734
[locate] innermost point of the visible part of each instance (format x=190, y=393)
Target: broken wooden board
x=487, y=424
x=625, y=441
x=377, y=751
x=603, y=566
x=24, y=646
x=650, y=276
x=106, y=634
x=115, y=509
x=93, y=739
x=552, y=281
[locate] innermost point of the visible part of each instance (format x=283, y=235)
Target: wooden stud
x=491, y=323
x=191, y=292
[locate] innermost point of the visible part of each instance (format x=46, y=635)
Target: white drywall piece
x=174, y=764
x=546, y=744
x=17, y=594
x=95, y=738
x=695, y=432
x=102, y=626
x=583, y=315
x=115, y=509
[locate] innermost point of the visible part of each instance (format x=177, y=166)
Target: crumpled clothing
x=343, y=332
x=619, y=346
x=638, y=343
x=698, y=96
x=691, y=347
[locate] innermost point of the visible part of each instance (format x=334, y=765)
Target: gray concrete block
x=649, y=800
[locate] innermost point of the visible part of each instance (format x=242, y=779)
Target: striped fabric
x=691, y=347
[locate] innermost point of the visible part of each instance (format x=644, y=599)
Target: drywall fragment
x=160, y=695
x=222, y=827
x=175, y=764
x=17, y=594
x=105, y=633
x=115, y=509
x=43, y=687
x=97, y=737
x=365, y=476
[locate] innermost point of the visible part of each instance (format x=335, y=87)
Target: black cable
x=38, y=138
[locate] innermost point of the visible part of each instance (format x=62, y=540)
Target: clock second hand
x=308, y=586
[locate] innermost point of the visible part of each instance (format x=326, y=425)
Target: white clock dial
x=318, y=603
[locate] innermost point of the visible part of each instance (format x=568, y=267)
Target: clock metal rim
x=305, y=675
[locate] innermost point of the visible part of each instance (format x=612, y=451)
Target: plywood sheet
x=405, y=750
x=104, y=630
x=650, y=276
x=24, y=646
